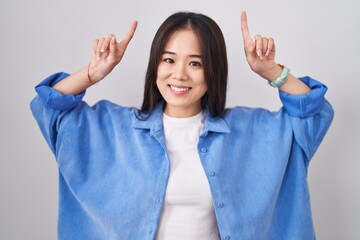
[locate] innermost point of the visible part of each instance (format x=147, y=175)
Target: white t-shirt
x=188, y=212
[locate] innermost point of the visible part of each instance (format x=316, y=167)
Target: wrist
x=92, y=75
x=272, y=74
x=282, y=78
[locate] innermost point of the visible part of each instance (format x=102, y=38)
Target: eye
x=168, y=60
x=195, y=64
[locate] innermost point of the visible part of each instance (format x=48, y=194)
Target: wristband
x=88, y=74
x=282, y=78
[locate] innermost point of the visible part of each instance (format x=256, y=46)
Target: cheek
x=204, y=89
x=160, y=77
x=202, y=83
x=159, y=85
x=200, y=90
x=161, y=72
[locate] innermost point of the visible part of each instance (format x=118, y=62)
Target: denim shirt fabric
x=114, y=167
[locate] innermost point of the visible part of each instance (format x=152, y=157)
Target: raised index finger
x=130, y=33
x=245, y=30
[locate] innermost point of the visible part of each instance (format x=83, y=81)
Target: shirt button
x=150, y=231
x=227, y=238
x=220, y=205
x=203, y=150
x=212, y=173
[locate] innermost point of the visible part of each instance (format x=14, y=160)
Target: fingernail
x=259, y=53
x=113, y=40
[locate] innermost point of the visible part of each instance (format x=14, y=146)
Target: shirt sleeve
x=49, y=107
x=54, y=99
x=310, y=115
x=305, y=105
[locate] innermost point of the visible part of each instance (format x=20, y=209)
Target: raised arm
x=260, y=55
x=107, y=53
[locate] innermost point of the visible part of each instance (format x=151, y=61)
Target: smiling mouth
x=179, y=89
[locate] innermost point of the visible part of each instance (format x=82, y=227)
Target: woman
x=183, y=166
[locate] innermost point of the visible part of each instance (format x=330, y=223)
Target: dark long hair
x=214, y=60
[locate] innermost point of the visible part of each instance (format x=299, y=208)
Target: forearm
x=75, y=83
x=292, y=85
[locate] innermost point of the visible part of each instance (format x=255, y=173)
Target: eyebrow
x=191, y=55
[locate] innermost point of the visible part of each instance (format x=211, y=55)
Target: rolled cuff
x=54, y=99
x=305, y=105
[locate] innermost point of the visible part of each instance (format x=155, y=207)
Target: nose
x=180, y=72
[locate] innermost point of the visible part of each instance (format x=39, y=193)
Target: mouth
x=179, y=89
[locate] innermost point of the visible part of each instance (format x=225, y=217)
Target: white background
x=317, y=38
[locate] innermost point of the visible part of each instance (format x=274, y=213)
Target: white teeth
x=176, y=89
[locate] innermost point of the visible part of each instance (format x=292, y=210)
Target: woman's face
x=180, y=75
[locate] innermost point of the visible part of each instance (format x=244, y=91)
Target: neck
x=181, y=112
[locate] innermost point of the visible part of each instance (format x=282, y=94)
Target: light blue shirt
x=114, y=167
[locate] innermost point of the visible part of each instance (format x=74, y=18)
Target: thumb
x=250, y=49
x=116, y=50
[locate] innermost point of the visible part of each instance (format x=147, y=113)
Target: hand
x=260, y=52
x=107, y=53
